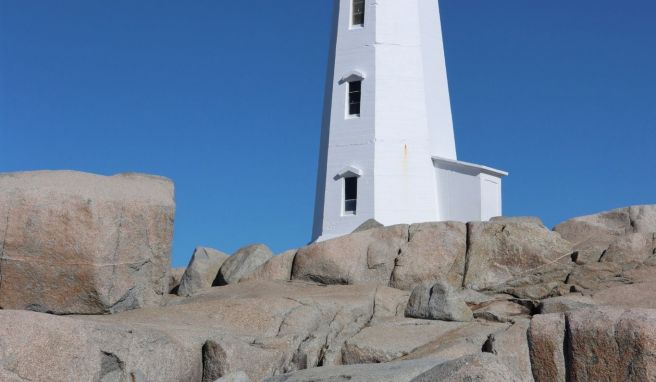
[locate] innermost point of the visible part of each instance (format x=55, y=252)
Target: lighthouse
x=388, y=147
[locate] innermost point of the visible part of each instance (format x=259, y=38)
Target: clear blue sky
x=225, y=98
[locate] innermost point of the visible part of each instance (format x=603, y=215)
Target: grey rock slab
x=403, y=371
x=475, y=367
x=464, y=340
x=79, y=243
x=565, y=303
x=434, y=252
x=388, y=341
x=437, y=302
x=202, y=271
x=243, y=262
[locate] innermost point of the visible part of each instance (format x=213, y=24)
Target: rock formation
x=84, y=283
x=76, y=243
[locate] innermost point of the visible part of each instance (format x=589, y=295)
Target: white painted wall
x=467, y=192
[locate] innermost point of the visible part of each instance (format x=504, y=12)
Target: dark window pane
x=350, y=188
x=355, y=96
x=358, y=12
x=354, y=109
x=350, y=206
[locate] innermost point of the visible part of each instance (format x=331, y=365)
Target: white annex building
x=387, y=144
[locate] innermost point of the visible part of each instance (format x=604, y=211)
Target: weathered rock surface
x=632, y=288
x=476, y=367
x=243, y=262
x=511, y=348
x=268, y=328
x=239, y=376
x=601, y=344
x=175, y=277
x=278, y=268
x=369, y=224
x=546, y=337
x=202, y=271
x=499, y=252
x=564, y=304
x=592, y=235
x=434, y=252
x=80, y=243
x=404, y=371
x=518, y=219
x=392, y=340
x=467, y=338
x=501, y=311
x=41, y=347
x=437, y=302
x=326, y=313
x=359, y=258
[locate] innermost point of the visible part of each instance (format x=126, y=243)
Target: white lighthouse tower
x=387, y=143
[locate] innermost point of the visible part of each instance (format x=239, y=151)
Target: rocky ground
x=87, y=294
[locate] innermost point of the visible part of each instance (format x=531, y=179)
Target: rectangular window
x=350, y=195
x=354, y=97
x=358, y=13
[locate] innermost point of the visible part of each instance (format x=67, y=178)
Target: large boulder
x=601, y=344
x=77, y=243
x=434, y=252
x=278, y=268
x=202, y=271
x=360, y=258
x=243, y=262
x=437, y=302
x=592, y=235
x=500, y=252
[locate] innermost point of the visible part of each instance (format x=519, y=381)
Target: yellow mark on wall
x=405, y=159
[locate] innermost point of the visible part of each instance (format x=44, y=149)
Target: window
x=354, y=98
x=350, y=195
x=358, y=13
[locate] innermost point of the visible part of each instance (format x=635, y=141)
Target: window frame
x=352, y=21
x=349, y=100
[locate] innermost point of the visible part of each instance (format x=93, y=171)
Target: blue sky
x=226, y=99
